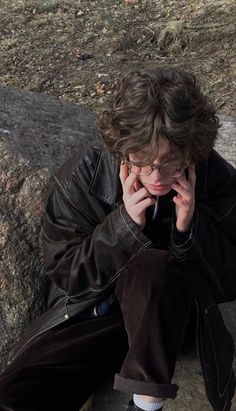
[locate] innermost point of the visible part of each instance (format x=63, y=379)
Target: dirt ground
x=77, y=49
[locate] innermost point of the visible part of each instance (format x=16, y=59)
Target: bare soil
x=77, y=49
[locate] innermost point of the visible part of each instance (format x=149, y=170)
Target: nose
x=156, y=175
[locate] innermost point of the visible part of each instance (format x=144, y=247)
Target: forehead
x=164, y=152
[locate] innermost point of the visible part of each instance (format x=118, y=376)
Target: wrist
x=138, y=222
x=184, y=225
x=183, y=228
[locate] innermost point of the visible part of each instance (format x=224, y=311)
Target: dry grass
x=76, y=50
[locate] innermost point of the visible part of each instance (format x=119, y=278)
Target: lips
x=159, y=187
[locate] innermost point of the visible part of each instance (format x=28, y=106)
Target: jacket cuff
x=181, y=238
x=181, y=242
x=132, y=230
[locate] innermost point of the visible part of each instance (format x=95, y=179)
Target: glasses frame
x=154, y=167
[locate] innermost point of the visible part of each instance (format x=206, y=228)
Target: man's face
x=155, y=182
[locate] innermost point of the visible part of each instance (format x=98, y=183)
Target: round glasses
x=166, y=170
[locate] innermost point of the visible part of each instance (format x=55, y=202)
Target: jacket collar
x=105, y=183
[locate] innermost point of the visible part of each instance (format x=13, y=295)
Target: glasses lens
x=141, y=171
x=170, y=170
x=145, y=170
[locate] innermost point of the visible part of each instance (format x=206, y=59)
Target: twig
x=147, y=28
x=220, y=105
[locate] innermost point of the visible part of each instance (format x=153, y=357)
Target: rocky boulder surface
x=37, y=134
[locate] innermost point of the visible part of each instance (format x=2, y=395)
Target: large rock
x=37, y=134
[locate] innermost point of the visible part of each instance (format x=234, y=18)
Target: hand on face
x=185, y=199
x=136, y=197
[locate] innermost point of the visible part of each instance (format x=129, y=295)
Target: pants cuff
x=145, y=388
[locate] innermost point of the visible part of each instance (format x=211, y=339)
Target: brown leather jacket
x=89, y=237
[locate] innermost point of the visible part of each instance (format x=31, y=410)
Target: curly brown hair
x=159, y=101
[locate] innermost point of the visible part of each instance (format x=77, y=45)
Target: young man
x=139, y=236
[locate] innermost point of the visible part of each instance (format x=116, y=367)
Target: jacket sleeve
x=83, y=255
x=211, y=244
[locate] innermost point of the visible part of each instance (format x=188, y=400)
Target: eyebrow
x=171, y=155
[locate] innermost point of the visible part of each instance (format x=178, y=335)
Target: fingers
x=185, y=198
x=143, y=205
x=124, y=173
x=128, y=180
x=139, y=195
x=132, y=185
x=179, y=201
x=136, y=197
x=192, y=174
x=184, y=186
x=190, y=179
x=182, y=191
x=137, y=209
x=182, y=180
x=137, y=184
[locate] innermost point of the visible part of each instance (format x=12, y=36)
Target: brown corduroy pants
x=60, y=369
